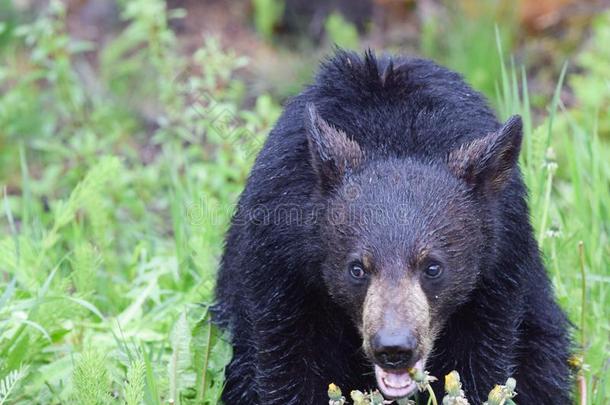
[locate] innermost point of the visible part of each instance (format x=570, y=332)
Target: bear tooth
x=396, y=380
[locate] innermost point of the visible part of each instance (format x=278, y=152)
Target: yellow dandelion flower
x=452, y=383
x=496, y=396
x=334, y=392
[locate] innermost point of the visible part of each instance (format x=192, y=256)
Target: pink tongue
x=398, y=379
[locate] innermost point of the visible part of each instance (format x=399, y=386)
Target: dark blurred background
x=285, y=39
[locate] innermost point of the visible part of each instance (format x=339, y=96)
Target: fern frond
x=134, y=386
x=89, y=189
x=84, y=264
x=10, y=382
x=91, y=379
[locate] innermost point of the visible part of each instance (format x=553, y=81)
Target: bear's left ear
x=332, y=153
x=488, y=162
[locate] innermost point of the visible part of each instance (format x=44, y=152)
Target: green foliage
x=592, y=86
x=341, y=32
x=267, y=14
x=134, y=384
x=117, y=189
x=180, y=340
x=9, y=383
x=210, y=355
x=85, y=264
x=463, y=39
x=91, y=379
x=566, y=167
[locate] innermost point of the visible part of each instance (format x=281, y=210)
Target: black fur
x=293, y=334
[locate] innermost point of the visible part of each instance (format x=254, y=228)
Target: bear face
x=408, y=238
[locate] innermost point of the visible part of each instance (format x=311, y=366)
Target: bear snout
x=394, y=349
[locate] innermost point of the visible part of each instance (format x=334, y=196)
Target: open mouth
x=396, y=383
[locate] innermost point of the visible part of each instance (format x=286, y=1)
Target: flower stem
x=432, y=398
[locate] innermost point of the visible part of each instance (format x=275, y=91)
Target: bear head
x=406, y=240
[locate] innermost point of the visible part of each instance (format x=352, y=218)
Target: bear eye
x=356, y=270
x=433, y=270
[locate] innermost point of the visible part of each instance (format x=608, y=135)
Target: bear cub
x=384, y=227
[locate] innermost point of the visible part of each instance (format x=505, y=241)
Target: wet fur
x=292, y=336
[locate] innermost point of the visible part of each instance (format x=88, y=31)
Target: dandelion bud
x=496, y=396
x=511, y=384
x=576, y=362
x=334, y=392
x=417, y=375
x=452, y=383
x=358, y=397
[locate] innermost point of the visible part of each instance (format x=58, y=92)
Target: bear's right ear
x=332, y=153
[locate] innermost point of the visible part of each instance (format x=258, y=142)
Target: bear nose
x=394, y=349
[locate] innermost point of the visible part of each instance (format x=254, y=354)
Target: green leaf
x=10, y=382
x=180, y=360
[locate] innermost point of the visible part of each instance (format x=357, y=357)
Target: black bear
x=384, y=227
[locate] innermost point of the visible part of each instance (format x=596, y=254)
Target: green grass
x=117, y=185
x=461, y=36
x=567, y=170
